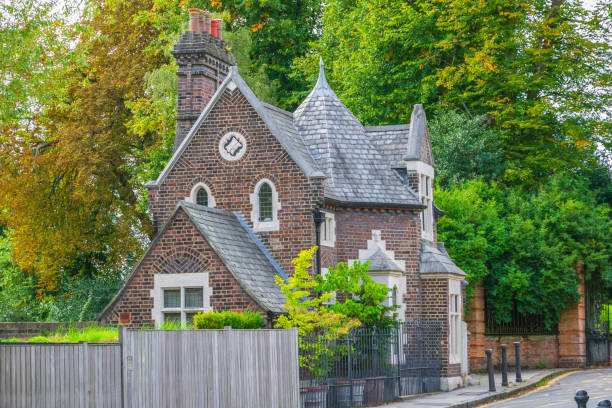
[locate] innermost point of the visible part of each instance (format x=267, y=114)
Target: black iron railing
x=519, y=324
x=370, y=366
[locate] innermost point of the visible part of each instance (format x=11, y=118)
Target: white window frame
x=455, y=303
x=194, y=193
x=328, y=230
x=264, y=226
x=179, y=281
x=426, y=194
x=425, y=174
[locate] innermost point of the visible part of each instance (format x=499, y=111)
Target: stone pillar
x=476, y=327
x=572, y=338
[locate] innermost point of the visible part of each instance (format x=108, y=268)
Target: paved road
x=560, y=394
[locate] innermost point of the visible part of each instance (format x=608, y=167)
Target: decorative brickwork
x=400, y=230
x=231, y=183
x=180, y=243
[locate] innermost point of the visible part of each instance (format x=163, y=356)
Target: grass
x=91, y=334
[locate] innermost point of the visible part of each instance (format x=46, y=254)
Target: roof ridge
x=276, y=108
x=403, y=126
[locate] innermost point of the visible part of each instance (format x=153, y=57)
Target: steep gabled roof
x=241, y=251
x=244, y=255
x=357, y=171
x=419, y=146
x=291, y=144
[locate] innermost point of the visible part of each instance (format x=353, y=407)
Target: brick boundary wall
x=30, y=329
x=566, y=350
x=535, y=350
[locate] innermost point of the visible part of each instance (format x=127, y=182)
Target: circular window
x=232, y=146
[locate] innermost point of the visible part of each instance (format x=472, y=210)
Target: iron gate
x=597, y=305
x=370, y=366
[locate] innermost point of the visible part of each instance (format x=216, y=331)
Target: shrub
x=236, y=320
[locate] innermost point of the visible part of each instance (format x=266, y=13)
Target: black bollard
x=517, y=355
x=490, y=370
x=504, y=366
x=581, y=398
x=604, y=404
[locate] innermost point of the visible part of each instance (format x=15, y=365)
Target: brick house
x=250, y=185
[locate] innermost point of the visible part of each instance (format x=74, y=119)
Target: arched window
x=264, y=213
x=201, y=194
x=394, y=296
x=265, y=203
x=202, y=197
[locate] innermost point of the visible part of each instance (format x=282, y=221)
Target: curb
x=500, y=395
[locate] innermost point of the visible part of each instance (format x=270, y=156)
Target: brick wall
x=435, y=308
x=535, y=351
x=476, y=327
x=181, y=239
x=400, y=230
x=231, y=183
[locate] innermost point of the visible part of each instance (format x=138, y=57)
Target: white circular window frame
x=225, y=138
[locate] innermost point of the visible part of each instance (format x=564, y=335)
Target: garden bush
x=236, y=320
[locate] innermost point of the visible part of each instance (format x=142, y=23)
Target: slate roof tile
x=241, y=251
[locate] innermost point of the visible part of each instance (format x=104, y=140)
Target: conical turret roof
x=357, y=171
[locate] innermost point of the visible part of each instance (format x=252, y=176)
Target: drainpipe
x=319, y=217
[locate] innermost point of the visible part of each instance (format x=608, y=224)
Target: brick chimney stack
x=204, y=61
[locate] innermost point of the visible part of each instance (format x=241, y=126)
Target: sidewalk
x=476, y=394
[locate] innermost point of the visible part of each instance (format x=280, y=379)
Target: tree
x=537, y=70
x=282, y=31
x=306, y=310
x=66, y=178
x=356, y=294
x=527, y=247
x=465, y=148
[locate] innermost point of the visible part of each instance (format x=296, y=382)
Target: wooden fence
x=155, y=368
x=212, y=368
x=60, y=375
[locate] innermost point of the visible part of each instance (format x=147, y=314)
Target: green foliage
x=527, y=247
x=173, y=325
x=465, y=148
x=538, y=71
x=17, y=288
x=281, y=32
x=357, y=295
x=236, y=320
x=317, y=325
x=306, y=310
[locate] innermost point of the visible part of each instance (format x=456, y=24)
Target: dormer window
x=264, y=200
x=201, y=195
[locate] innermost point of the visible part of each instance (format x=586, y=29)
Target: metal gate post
x=350, y=366
x=397, y=350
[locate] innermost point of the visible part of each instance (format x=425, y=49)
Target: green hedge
x=236, y=320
